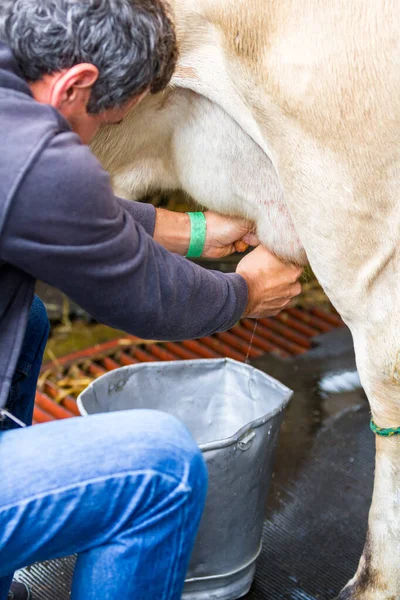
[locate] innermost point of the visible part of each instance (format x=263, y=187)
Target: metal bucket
x=234, y=413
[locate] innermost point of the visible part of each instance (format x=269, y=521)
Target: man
x=125, y=491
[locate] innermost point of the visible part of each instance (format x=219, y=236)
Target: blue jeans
x=124, y=490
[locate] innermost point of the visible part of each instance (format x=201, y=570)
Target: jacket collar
x=10, y=74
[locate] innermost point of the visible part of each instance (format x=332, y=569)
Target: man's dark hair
x=131, y=42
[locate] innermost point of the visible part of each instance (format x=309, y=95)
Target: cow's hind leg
x=377, y=347
x=372, y=311
x=353, y=243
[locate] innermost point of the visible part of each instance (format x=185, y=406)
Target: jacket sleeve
x=67, y=228
x=144, y=214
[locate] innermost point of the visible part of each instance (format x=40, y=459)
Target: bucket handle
x=247, y=440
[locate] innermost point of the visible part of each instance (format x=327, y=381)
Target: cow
x=288, y=113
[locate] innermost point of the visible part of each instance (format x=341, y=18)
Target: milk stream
x=247, y=361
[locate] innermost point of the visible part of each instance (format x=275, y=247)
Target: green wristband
x=198, y=230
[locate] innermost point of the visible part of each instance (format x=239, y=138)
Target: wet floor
x=300, y=523
x=325, y=383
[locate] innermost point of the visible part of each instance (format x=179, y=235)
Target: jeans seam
x=24, y=368
x=178, y=553
x=181, y=486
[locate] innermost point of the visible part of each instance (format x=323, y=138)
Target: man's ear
x=70, y=90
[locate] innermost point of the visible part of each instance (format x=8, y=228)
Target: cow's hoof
x=354, y=592
x=347, y=594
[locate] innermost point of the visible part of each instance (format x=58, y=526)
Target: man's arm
x=66, y=227
x=168, y=228
x=224, y=235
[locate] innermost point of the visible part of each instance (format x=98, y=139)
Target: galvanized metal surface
x=289, y=334
x=233, y=412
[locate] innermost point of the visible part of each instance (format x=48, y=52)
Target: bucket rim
x=240, y=433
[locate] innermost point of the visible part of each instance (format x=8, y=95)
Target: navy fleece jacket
x=61, y=223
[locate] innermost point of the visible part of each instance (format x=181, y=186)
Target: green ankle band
x=385, y=432
x=198, y=230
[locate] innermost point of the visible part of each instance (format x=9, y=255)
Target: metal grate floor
x=289, y=334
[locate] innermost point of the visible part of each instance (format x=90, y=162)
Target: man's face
x=87, y=125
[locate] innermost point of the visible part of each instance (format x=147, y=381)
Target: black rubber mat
x=313, y=540
x=312, y=544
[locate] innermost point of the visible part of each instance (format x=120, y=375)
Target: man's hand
x=272, y=284
x=226, y=235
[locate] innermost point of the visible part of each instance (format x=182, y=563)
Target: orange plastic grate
x=289, y=334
